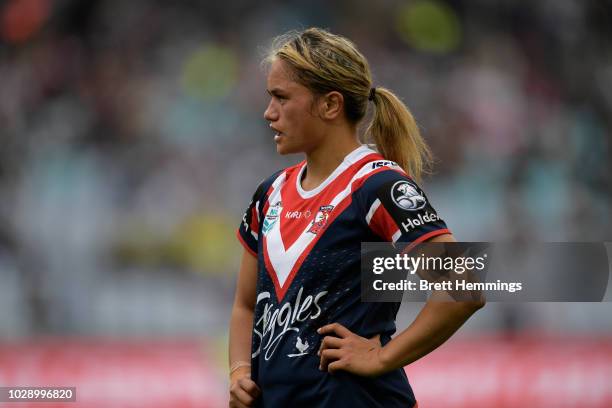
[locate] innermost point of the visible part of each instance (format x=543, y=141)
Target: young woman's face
x=292, y=112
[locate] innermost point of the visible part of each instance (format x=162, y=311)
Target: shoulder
x=379, y=173
x=396, y=209
x=390, y=185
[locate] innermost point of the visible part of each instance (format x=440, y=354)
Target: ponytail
x=396, y=134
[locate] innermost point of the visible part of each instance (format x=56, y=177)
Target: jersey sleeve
x=397, y=210
x=248, y=230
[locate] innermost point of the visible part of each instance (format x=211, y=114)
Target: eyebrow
x=275, y=91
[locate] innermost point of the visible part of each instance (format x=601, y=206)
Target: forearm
x=241, y=327
x=435, y=323
x=243, y=390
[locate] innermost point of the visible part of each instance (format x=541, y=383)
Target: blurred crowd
x=133, y=137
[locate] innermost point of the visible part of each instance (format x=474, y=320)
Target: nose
x=271, y=113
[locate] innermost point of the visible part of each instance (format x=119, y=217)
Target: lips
x=278, y=133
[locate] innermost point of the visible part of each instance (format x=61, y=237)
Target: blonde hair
x=325, y=62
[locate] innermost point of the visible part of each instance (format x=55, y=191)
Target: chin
x=283, y=149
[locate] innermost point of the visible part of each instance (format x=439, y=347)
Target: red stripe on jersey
x=254, y=221
x=338, y=209
x=383, y=224
x=295, y=207
x=282, y=290
x=425, y=237
x=271, y=274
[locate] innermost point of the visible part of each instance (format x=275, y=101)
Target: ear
x=332, y=105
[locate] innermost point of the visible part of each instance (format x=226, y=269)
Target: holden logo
x=406, y=196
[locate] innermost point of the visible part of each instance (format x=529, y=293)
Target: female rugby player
x=299, y=334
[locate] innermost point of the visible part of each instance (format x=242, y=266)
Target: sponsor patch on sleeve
x=406, y=204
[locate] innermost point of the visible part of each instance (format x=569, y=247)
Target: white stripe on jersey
x=275, y=186
x=372, y=210
x=283, y=261
x=352, y=158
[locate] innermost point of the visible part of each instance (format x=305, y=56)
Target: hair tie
x=372, y=94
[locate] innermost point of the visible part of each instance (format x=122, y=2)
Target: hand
x=243, y=390
x=350, y=352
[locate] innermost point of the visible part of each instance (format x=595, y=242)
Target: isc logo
x=382, y=163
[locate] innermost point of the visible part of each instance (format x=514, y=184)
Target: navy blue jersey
x=308, y=245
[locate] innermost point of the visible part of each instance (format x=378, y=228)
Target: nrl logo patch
x=320, y=219
x=271, y=217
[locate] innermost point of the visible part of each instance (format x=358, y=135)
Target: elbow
x=473, y=306
x=243, y=307
x=477, y=305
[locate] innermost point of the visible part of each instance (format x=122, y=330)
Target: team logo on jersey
x=279, y=321
x=272, y=216
x=301, y=346
x=320, y=219
x=406, y=196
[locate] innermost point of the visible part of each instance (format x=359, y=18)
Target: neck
x=323, y=160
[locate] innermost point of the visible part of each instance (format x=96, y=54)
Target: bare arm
x=435, y=323
x=243, y=391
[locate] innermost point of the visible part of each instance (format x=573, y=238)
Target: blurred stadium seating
x=132, y=139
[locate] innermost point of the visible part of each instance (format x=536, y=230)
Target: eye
x=280, y=97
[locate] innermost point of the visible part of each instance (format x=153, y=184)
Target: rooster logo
x=406, y=196
x=302, y=346
x=320, y=219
